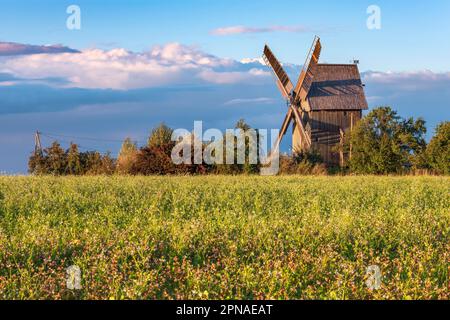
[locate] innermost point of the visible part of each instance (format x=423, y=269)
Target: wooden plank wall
x=325, y=131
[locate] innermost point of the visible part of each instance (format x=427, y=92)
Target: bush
x=303, y=163
x=154, y=161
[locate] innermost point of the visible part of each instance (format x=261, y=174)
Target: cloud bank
x=233, y=30
x=409, y=81
x=172, y=64
x=14, y=49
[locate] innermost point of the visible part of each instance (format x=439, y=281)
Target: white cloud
x=172, y=64
x=226, y=31
x=390, y=77
x=13, y=48
x=8, y=83
x=408, y=81
x=232, y=77
x=253, y=60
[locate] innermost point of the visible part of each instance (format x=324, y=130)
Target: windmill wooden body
x=326, y=103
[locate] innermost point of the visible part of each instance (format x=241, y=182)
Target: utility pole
x=37, y=143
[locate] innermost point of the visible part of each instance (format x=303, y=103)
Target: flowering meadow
x=225, y=237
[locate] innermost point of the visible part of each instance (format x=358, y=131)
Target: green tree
x=160, y=136
x=438, y=150
x=56, y=160
x=37, y=164
x=127, y=157
x=93, y=163
x=108, y=164
x=241, y=124
x=250, y=149
x=382, y=142
x=73, y=160
x=249, y=168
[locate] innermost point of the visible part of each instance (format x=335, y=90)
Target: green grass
x=224, y=237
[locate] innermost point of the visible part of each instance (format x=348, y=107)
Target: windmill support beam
x=300, y=138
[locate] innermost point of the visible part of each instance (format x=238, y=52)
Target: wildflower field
x=218, y=237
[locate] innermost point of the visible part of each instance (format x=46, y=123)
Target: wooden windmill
x=326, y=102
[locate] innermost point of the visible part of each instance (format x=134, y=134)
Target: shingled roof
x=337, y=87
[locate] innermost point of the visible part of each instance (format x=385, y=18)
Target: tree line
x=152, y=159
x=381, y=143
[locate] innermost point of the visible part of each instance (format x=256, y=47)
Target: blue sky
x=102, y=92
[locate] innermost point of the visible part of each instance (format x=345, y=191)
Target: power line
x=58, y=136
x=55, y=135
x=91, y=148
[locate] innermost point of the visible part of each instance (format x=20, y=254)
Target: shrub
x=304, y=163
x=153, y=161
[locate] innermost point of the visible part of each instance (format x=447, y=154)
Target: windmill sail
x=299, y=93
x=307, y=74
x=292, y=113
x=283, y=82
x=283, y=130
